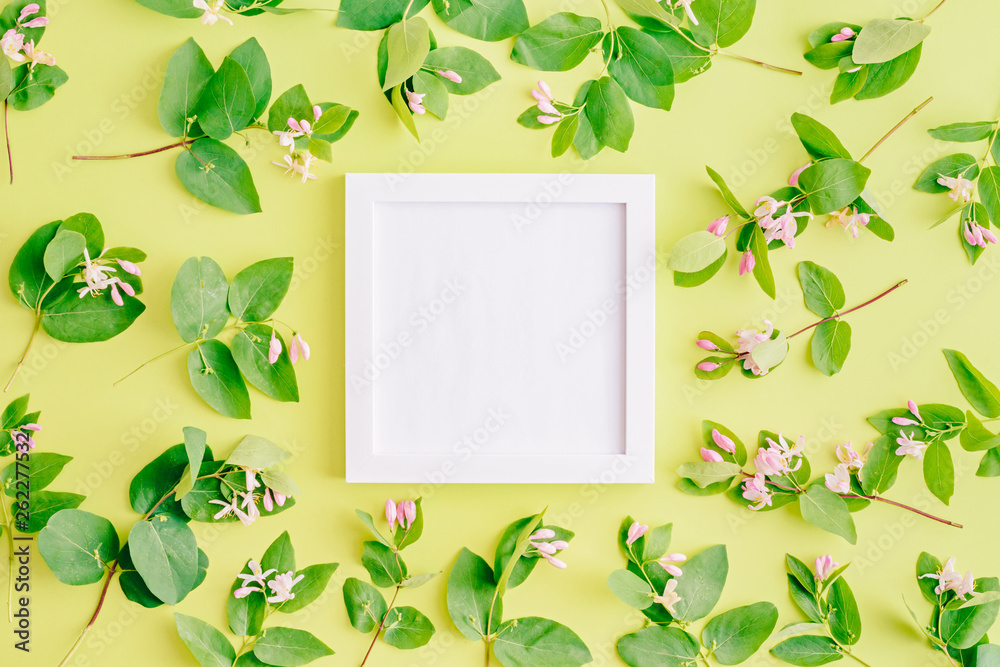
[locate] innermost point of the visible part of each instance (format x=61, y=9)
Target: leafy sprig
x=212, y=11
x=78, y=290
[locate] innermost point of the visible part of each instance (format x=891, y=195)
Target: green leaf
x=511, y=542
x=963, y=132
x=280, y=555
x=384, y=566
x=990, y=464
x=939, y=471
x=209, y=646
x=246, y=614
x=293, y=103
x=975, y=437
x=563, y=137
x=989, y=192
x=403, y=111
x=845, y=618
x=727, y=194
x=256, y=453
x=658, y=645
x=722, y=22
x=198, y=299
x=982, y=394
x=216, y=174
x=964, y=628
x=641, y=67
x=879, y=472
x=195, y=443
x=165, y=553
x=156, y=480
x=486, y=20
x=41, y=469
x=407, y=629
x=656, y=542
x=822, y=290
x=807, y=651
x=682, y=279
x=687, y=61
x=33, y=87
x=529, y=641
x=959, y=164
x=250, y=350
x=279, y=481
x=848, y=84
x=216, y=378
x=830, y=345
x=883, y=78
x=770, y=353
x=252, y=59
x=704, y=473
x=6, y=79
x=648, y=9
x=559, y=43
x=471, y=589
x=803, y=599
x=881, y=40
x=289, y=647
x=91, y=319
x=408, y=44
x=762, y=267
x=735, y=635
x=832, y=184
x=818, y=140
x=374, y=14
x=586, y=142
x=77, y=546
x=928, y=564
x=332, y=119
x=631, y=589
x=825, y=509
x=258, y=290
x=696, y=251
x=227, y=103
x=609, y=113
x=27, y=277
x=829, y=54
x=366, y=519
x=188, y=71
x=801, y=572
x=987, y=655
x=180, y=9
x=307, y=591
x=365, y=605
x=45, y=504
x=701, y=586
x=63, y=253
x=89, y=226
x=435, y=93
x=14, y=412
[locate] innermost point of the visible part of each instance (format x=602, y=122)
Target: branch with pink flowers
x=758, y=352
x=782, y=475
x=832, y=183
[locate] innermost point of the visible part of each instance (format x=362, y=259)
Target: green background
x=734, y=118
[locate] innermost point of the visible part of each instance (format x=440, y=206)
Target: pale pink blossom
x=710, y=455
x=708, y=366
x=267, y=501
x=747, y=262
x=706, y=345
x=977, y=235
x=31, y=426
x=298, y=344
x=909, y=446
x=911, y=405
x=904, y=421
x=451, y=75
x=635, y=531
x=245, y=590
x=850, y=219
x=784, y=227
x=546, y=107
x=770, y=461
x=542, y=534
x=37, y=56
x=950, y=580
x=281, y=587
x=303, y=126
x=965, y=587
x=851, y=458
x=686, y=4
x=747, y=340
x=723, y=442
x=279, y=498
x=28, y=10
x=960, y=188
x=232, y=508
x=767, y=206
x=11, y=44
x=287, y=138
x=257, y=574
x=844, y=34
x=250, y=505
x=317, y=112
x=545, y=90
x=406, y=513
x=22, y=441
x=544, y=547
x=39, y=22
x=274, y=348
x=560, y=544
x=390, y=512
x=667, y=563
x=839, y=481
x=824, y=566
x=793, y=180
x=718, y=226
x=211, y=11
x=129, y=267
x=251, y=478
x=548, y=120
x=554, y=562
x=668, y=598
x=755, y=490
x=415, y=102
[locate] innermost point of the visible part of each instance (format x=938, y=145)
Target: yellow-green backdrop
x=733, y=118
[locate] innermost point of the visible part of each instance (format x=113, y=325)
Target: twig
x=126, y=156
x=850, y=310
x=895, y=127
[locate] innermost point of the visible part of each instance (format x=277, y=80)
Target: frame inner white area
x=495, y=336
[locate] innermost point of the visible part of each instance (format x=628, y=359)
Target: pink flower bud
x=304, y=345
x=560, y=545
x=294, y=124
x=825, y=565
x=546, y=107
x=718, y=226
x=409, y=512
x=708, y=366
x=127, y=288
x=39, y=22
x=903, y=421
x=544, y=87
x=129, y=267
x=538, y=96
x=554, y=562
x=548, y=120
x=31, y=427
x=544, y=547
x=317, y=112
x=793, y=180
x=707, y=345
x=723, y=442
x=747, y=262
x=710, y=455
x=913, y=409
x=279, y=498
x=390, y=512
x=268, y=502
x=274, y=348
x=28, y=10
x=542, y=534
x=115, y=296
x=451, y=76
x=635, y=531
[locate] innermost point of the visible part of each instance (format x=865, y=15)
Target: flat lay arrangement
x=334, y=335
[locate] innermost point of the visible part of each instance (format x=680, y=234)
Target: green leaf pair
x=486, y=20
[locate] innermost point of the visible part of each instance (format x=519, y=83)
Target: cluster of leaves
x=818, y=505
x=404, y=628
x=729, y=638
x=873, y=60
x=409, y=59
x=274, y=646
x=643, y=64
x=957, y=624
x=47, y=272
x=965, y=166
x=832, y=611
x=833, y=181
x=185, y=9
x=203, y=303
x=161, y=562
x=475, y=602
x=831, y=338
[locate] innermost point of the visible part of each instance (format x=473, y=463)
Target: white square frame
x=636, y=464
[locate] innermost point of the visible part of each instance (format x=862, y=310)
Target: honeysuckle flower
x=31, y=426
x=723, y=442
x=286, y=138
x=824, y=566
x=747, y=340
x=11, y=44
x=245, y=590
x=959, y=188
x=904, y=421
x=554, y=562
x=544, y=547
x=793, y=180
x=667, y=563
x=770, y=461
x=301, y=126
x=718, y=226
x=257, y=574
x=747, y=262
x=686, y=4
x=767, y=206
x=839, y=481
x=546, y=107
x=965, y=587
x=543, y=89
x=39, y=22
x=317, y=112
x=298, y=344
x=909, y=446
x=231, y=508
x=755, y=490
x=668, y=598
x=706, y=345
x=976, y=234
x=308, y=160
x=710, y=455
x=785, y=227
x=451, y=75
x=548, y=120
x=635, y=531
x=28, y=10
x=560, y=544
x=251, y=478
x=415, y=102
x=273, y=348
x=406, y=513
x=390, y=513
x=282, y=585
x=911, y=405
x=129, y=267
x=948, y=579
x=708, y=366
x=789, y=451
x=250, y=505
x=22, y=441
x=844, y=34
x=542, y=534
x=267, y=501
x=851, y=458
x=212, y=11
x=279, y=498
x=850, y=219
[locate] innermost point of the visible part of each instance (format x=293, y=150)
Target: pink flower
x=976, y=234
x=22, y=441
x=718, y=226
x=415, y=102
x=544, y=547
x=545, y=90
x=824, y=566
x=27, y=11
x=451, y=75
x=554, y=562
x=11, y=44
x=747, y=262
x=211, y=14
x=129, y=267
x=279, y=498
x=39, y=22
x=710, y=455
x=747, y=340
x=912, y=407
x=546, y=107
x=274, y=348
x=232, y=508
x=37, y=56
x=960, y=187
x=390, y=512
x=244, y=591
x=843, y=35
x=281, y=587
x=31, y=427
x=769, y=461
x=406, y=513
x=548, y=120
x=317, y=112
x=904, y=421
x=669, y=598
x=851, y=458
x=767, y=206
x=850, y=219
x=667, y=563
x=723, y=442
x=909, y=446
x=707, y=345
x=839, y=481
x=256, y=576
x=784, y=227
x=708, y=366
x=793, y=180
x=250, y=505
x=635, y=531
x=298, y=344
x=251, y=478
x=542, y=534
x=755, y=490
x=268, y=501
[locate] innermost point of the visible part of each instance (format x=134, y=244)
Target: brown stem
x=902, y=506
x=34, y=331
x=6, y=134
x=381, y=626
x=97, y=611
x=927, y=15
x=126, y=156
x=850, y=310
x=896, y=127
x=760, y=62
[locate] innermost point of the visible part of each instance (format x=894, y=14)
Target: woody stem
x=850, y=310
x=895, y=127
x=34, y=332
x=125, y=156
x=6, y=134
x=97, y=611
x=905, y=507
